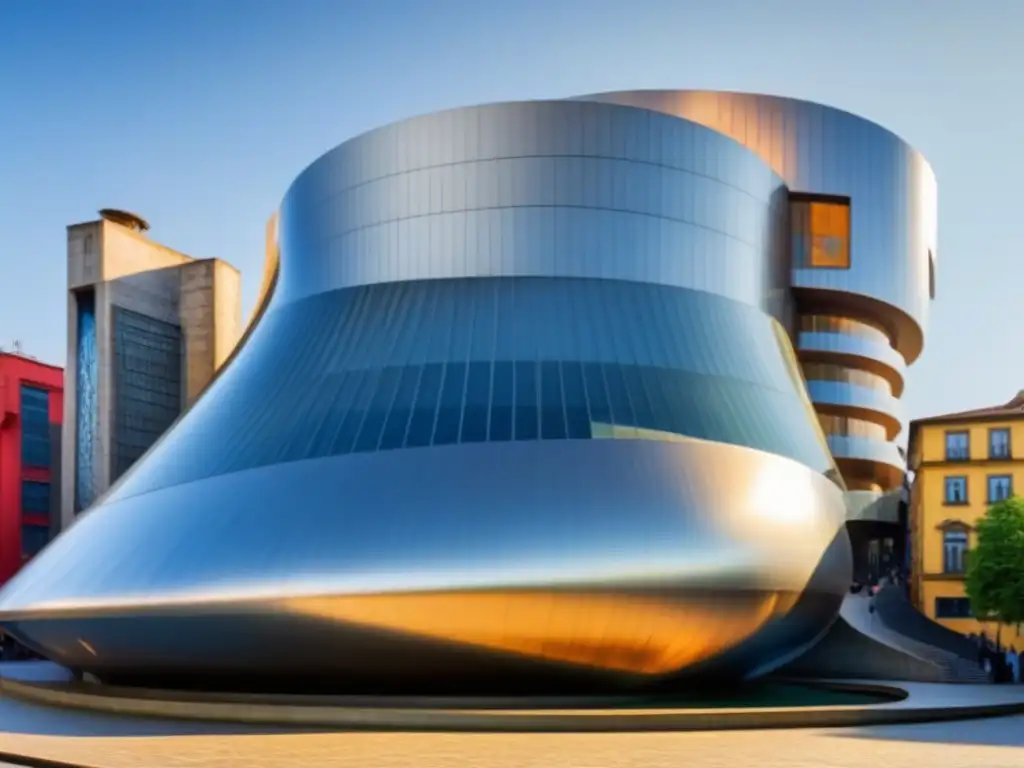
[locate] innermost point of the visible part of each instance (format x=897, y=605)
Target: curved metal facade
x=874, y=311
x=523, y=399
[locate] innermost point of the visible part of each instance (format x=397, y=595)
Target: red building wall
x=16, y=371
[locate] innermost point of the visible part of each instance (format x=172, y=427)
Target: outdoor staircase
x=950, y=665
x=899, y=613
x=928, y=639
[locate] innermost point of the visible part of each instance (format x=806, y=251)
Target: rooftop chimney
x=125, y=219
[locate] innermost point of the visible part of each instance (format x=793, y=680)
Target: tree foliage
x=995, y=567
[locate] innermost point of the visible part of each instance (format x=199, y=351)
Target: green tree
x=995, y=567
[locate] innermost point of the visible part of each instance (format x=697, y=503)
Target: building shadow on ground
x=992, y=731
x=19, y=718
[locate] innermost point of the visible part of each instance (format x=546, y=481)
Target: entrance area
x=878, y=548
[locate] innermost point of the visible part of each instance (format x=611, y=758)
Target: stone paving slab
x=105, y=741
x=996, y=743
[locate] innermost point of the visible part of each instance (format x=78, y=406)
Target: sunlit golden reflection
x=626, y=633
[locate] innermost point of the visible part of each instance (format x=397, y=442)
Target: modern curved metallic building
x=525, y=397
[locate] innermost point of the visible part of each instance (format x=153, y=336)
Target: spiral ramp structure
x=534, y=390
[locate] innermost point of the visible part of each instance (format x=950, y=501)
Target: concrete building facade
x=147, y=329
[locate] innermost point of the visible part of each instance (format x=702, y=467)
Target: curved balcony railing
x=866, y=449
x=857, y=351
x=874, y=460
x=872, y=404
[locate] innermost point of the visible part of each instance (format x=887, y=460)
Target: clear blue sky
x=197, y=114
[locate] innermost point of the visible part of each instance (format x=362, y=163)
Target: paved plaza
x=111, y=742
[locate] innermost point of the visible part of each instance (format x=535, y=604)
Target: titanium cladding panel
x=862, y=325
x=522, y=402
x=822, y=150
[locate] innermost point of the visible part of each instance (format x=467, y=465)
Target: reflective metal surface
x=887, y=464
x=403, y=365
x=855, y=352
x=860, y=401
x=554, y=189
x=520, y=398
x=890, y=277
x=822, y=150
x=636, y=557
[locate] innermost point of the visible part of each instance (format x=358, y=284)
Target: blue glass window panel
x=35, y=404
x=484, y=319
x=401, y=409
x=323, y=435
x=552, y=413
x=526, y=415
x=377, y=413
x=956, y=490
x=35, y=427
x=953, y=608
x=577, y=417
x=461, y=327
x=744, y=431
x=35, y=451
x=35, y=497
x=449, y=412
x=34, y=538
x=694, y=414
x=508, y=320
x=597, y=393
x=638, y=397
x=958, y=446
x=440, y=328
x=701, y=389
x=424, y=413
x=362, y=384
x=1000, y=488
x=478, y=395
x=502, y=401
x=675, y=402
x=370, y=431
x=411, y=303
x=618, y=397
x=660, y=409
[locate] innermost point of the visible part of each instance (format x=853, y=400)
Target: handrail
x=900, y=614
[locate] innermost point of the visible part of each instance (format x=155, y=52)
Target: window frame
x=27, y=483
x=809, y=199
x=953, y=614
x=36, y=443
x=955, y=564
x=946, y=500
x=967, y=444
x=988, y=487
x=1009, y=450
x=27, y=554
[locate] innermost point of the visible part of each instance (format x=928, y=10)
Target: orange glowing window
x=821, y=232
